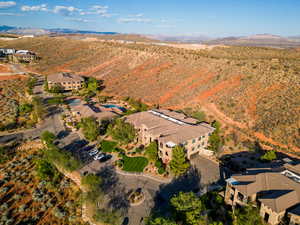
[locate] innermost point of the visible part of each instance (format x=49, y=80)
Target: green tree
x=161, y=221
x=215, y=141
x=92, y=183
x=46, y=171
x=48, y=137
x=199, y=115
x=56, y=89
x=61, y=158
x=269, y=156
x=25, y=108
x=138, y=105
x=107, y=216
x=122, y=131
x=30, y=85
x=46, y=86
x=90, y=128
x=188, y=207
x=178, y=164
x=38, y=109
x=247, y=215
x=151, y=151
x=93, y=84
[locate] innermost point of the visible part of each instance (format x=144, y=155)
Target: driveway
x=209, y=171
x=157, y=193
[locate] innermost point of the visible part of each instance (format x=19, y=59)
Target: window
x=231, y=197
x=167, y=154
x=203, y=143
x=240, y=196
x=199, y=138
x=193, y=149
x=266, y=217
x=193, y=141
x=199, y=146
x=161, y=145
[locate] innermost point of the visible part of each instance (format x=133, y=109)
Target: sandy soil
x=12, y=77
x=5, y=68
x=195, y=46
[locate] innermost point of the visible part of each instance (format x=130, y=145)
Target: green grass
x=108, y=146
x=134, y=164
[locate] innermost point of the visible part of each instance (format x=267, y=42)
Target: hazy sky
x=182, y=17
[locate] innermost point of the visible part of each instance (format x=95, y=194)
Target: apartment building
x=169, y=129
x=275, y=191
x=67, y=81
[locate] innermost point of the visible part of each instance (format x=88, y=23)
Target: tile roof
x=276, y=190
x=169, y=125
x=86, y=111
x=64, y=77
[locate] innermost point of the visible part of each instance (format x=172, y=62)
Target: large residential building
x=275, y=191
x=81, y=110
x=67, y=81
x=169, y=129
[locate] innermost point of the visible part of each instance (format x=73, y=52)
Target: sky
x=213, y=18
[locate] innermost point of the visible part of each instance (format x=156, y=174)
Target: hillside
x=258, y=40
x=253, y=91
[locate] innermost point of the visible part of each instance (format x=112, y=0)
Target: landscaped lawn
x=134, y=164
x=108, y=146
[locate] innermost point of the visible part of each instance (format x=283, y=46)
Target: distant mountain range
x=41, y=31
x=260, y=40
x=181, y=38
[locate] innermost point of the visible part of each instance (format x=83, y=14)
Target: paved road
x=116, y=185
x=52, y=121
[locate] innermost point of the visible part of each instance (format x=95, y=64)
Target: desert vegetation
x=255, y=91
x=33, y=191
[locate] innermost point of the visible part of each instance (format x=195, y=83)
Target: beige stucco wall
x=193, y=146
x=294, y=219
x=274, y=217
x=67, y=85
x=233, y=191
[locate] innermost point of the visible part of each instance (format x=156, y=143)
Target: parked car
x=93, y=152
x=105, y=158
x=99, y=156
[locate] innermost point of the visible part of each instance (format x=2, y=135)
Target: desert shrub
x=59, y=212
x=269, y=156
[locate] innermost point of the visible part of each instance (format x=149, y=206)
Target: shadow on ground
x=191, y=181
x=114, y=189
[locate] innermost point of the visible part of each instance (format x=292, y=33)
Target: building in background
x=67, y=81
x=275, y=191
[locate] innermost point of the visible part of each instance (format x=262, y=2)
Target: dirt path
x=211, y=108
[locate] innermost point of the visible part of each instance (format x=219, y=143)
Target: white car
x=93, y=152
x=99, y=156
